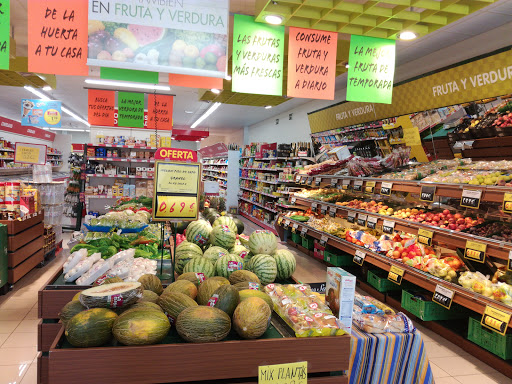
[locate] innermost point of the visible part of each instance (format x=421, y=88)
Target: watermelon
x=244, y=240
x=143, y=327
x=148, y=297
x=213, y=253
x=251, y=318
x=182, y=226
x=193, y=277
x=226, y=221
x=247, y=285
x=90, y=328
x=115, y=295
x=198, y=232
x=182, y=259
x=151, y=283
x=200, y=265
x=212, y=217
x=227, y=264
x=286, y=263
x=70, y=310
x=239, y=225
x=173, y=303
x=240, y=250
x=246, y=293
x=240, y=276
x=187, y=246
x=146, y=34
x=182, y=286
x=206, y=290
x=265, y=267
x=203, y=324
x=223, y=237
x=262, y=242
x=225, y=298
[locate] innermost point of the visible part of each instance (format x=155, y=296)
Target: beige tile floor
x=18, y=332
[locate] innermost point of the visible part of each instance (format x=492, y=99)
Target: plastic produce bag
x=74, y=259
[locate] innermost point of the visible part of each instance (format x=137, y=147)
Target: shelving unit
x=225, y=170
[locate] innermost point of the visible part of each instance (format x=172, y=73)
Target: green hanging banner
x=131, y=109
x=258, y=55
x=5, y=33
x=371, y=69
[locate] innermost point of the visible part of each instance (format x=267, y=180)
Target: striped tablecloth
x=389, y=358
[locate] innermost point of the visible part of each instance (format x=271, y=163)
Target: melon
x=240, y=276
x=115, y=295
x=226, y=221
x=91, y=328
x=248, y=285
x=203, y=324
x=221, y=279
x=214, y=253
x=262, y=242
x=145, y=305
x=198, y=232
x=108, y=280
x=227, y=264
x=240, y=250
x=239, y=225
x=148, y=296
x=225, y=298
x=265, y=267
x=70, y=310
x=182, y=286
x=200, y=265
x=173, y=303
x=193, y=277
x=222, y=236
x=77, y=296
x=285, y=262
x=151, y=283
x=251, y=318
x=146, y=34
x=142, y=327
x=206, y=290
x=246, y=293
x=182, y=259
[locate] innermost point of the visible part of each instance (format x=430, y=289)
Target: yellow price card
x=176, y=207
x=495, y=319
x=396, y=275
x=475, y=251
x=425, y=237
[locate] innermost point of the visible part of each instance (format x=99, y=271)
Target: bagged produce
x=82, y=267
x=74, y=259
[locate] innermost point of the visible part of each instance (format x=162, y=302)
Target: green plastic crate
x=307, y=242
x=378, y=279
x=428, y=310
x=494, y=342
x=344, y=260
x=296, y=238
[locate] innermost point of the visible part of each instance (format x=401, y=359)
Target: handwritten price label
x=291, y=373
x=176, y=207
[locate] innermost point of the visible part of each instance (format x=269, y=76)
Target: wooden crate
x=46, y=334
x=16, y=226
x=16, y=273
x=21, y=254
x=21, y=238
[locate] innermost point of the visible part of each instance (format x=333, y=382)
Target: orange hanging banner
x=311, y=63
x=57, y=37
x=195, y=81
x=160, y=112
x=101, y=107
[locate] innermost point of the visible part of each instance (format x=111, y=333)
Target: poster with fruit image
x=188, y=37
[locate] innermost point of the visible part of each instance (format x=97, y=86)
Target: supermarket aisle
x=450, y=364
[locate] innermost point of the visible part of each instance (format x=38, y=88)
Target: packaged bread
x=374, y=323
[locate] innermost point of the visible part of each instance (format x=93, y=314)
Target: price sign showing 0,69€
x=176, y=191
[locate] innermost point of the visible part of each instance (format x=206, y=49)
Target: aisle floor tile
x=32, y=314
x=445, y=349
x=13, y=314
x=436, y=371
x=15, y=303
x=31, y=375
x=3, y=337
x=8, y=326
x=27, y=326
x=483, y=379
x=20, y=340
x=446, y=380
x=13, y=374
x=456, y=366
x=14, y=356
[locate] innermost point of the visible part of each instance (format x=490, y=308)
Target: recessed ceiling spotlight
x=274, y=19
x=407, y=35
x=47, y=88
x=228, y=77
x=347, y=66
x=215, y=90
x=268, y=106
x=189, y=112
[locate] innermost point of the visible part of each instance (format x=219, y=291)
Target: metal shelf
x=259, y=205
x=122, y=159
x=122, y=146
x=261, y=193
x=117, y=176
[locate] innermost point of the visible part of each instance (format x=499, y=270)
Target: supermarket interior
x=314, y=191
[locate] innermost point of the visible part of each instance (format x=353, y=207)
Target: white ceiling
x=497, y=16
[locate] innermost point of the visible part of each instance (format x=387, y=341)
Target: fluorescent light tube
x=39, y=94
x=67, y=129
x=128, y=84
x=205, y=115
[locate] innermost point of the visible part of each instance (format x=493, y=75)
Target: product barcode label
x=443, y=296
x=385, y=189
x=314, y=207
x=359, y=257
x=388, y=226
x=372, y=222
x=361, y=219
x=332, y=211
x=358, y=186
x=471, y=198
x=318, y=180
x=334, y=182
x=323, y=240
x=351, y=218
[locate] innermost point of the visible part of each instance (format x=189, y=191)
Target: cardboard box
x=340, y=153
x=339, y=295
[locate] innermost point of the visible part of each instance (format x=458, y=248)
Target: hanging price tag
x=351, y=218
x=372, y=222
x=303, y=231
x=318, y=180
x=303, y=179
x=471, y=198
x=286, y=224
x=361, y=219
x=370, y=186
x=314, y=207
x=396, y=275
x=280, y=220
x=385, y=189
x=495, y=319
x=297, y=178
x=310, y=181
x=388, y=226
x=425, y=237
x=323, y=240
x=323, y=209
x=443, y=296
x=359, y=257
x=475, y=251
x=428, y=193
x=293, y=200
x=345, y=185
x=334, y=183
x=332, y=211
x=358, y=185
x=294, y=227
x=507, y=202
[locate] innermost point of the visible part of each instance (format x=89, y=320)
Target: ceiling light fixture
x=407, y=35
x=47, y=88
x=189, y=112
x=206, y=114
x=268, y=106
x=128, y=84
x=274, y=19
x=215, y=90
x=347, y=66
x=39, y=94
x=68, y=129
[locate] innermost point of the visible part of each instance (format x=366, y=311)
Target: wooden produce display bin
x=24, y=245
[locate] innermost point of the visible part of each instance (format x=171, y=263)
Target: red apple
x=443, y=226
x=462, y=227
x=457, y=216
x=446, y=212
x=452, y=226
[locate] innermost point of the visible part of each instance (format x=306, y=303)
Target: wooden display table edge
x=16, y=226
